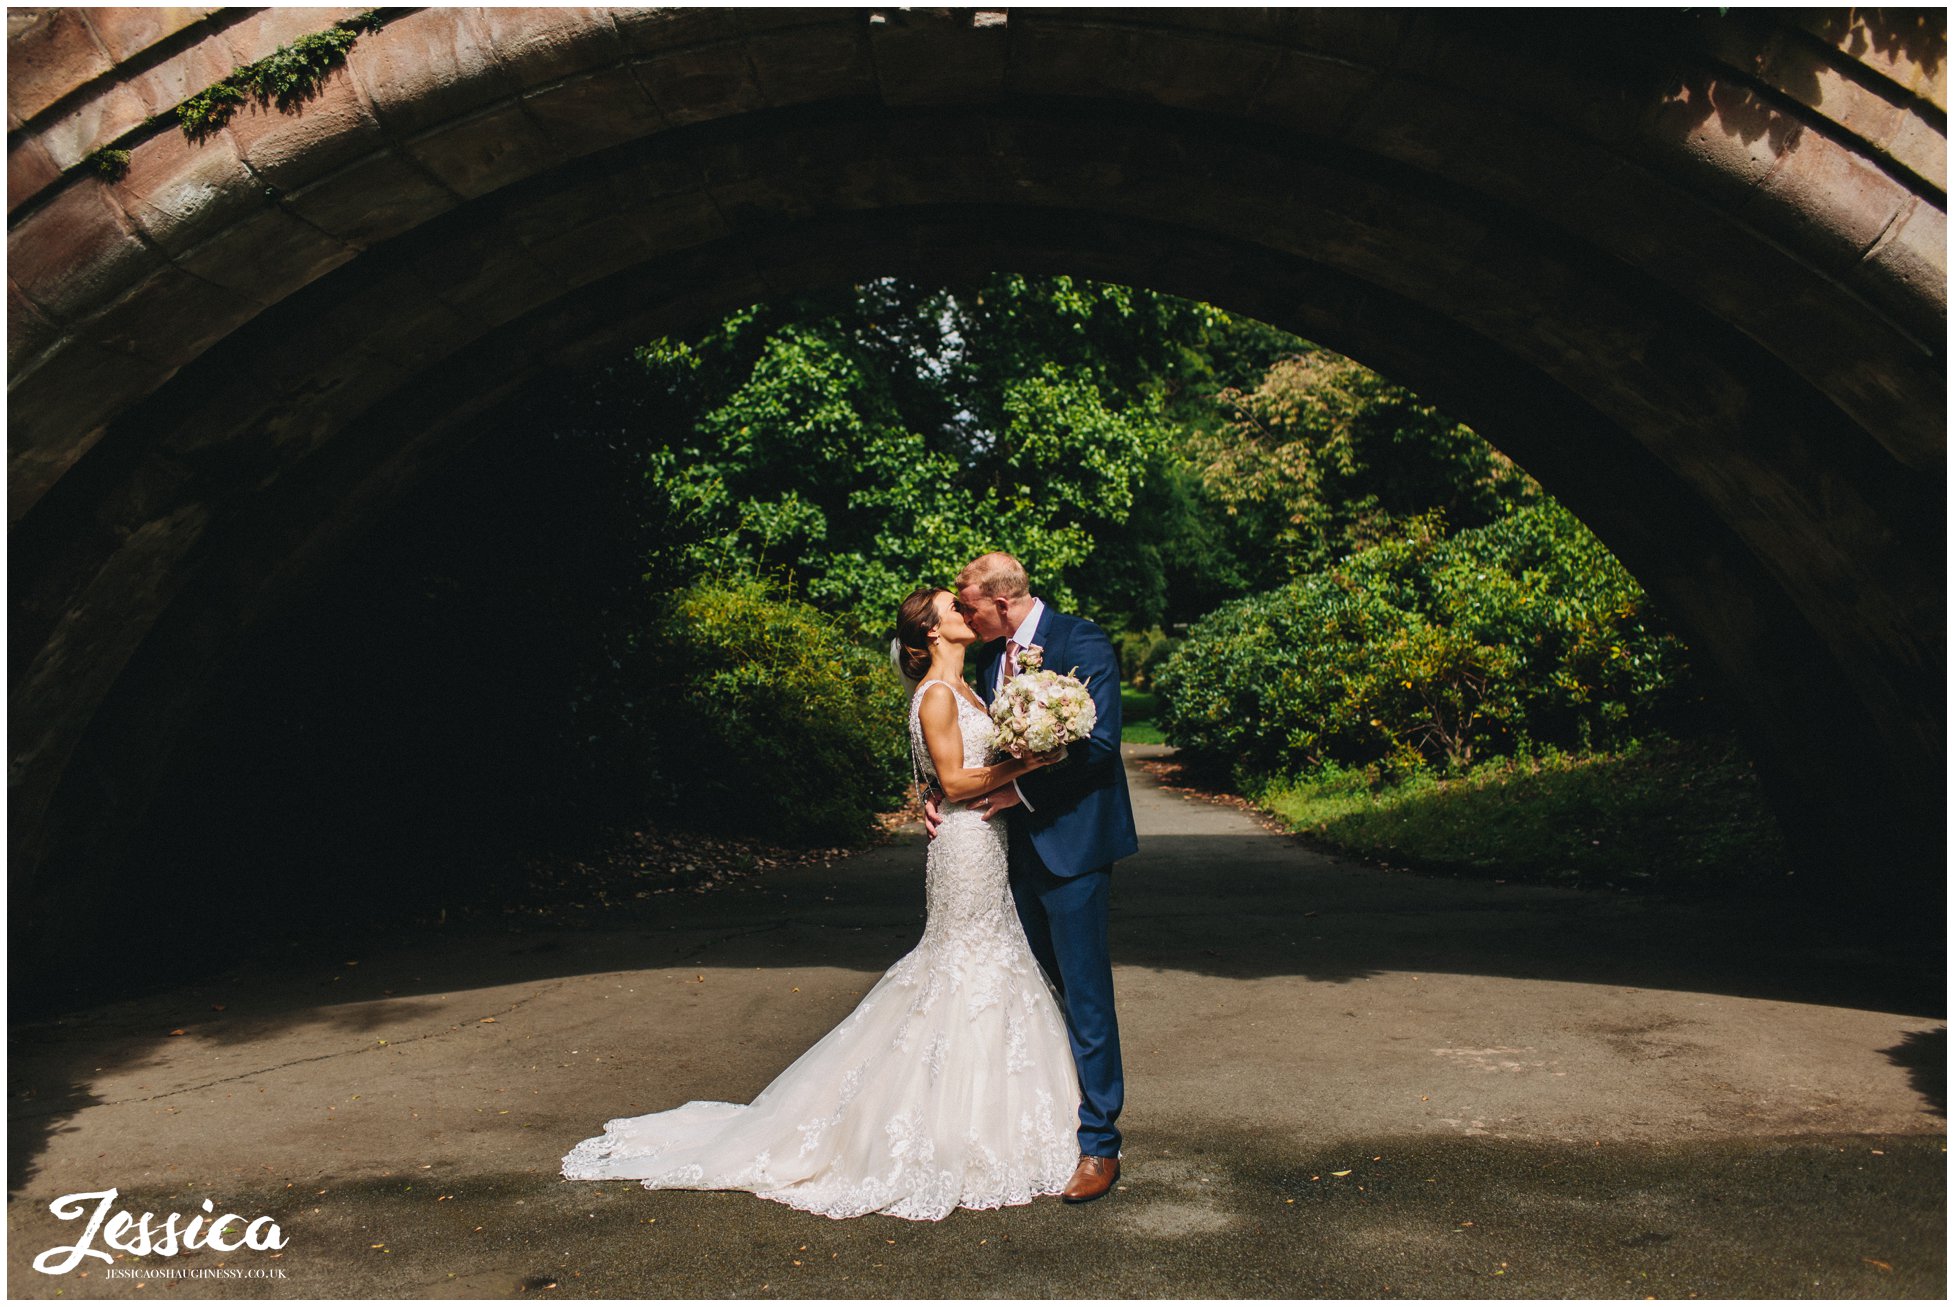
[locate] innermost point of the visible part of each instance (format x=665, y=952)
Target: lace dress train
x=950, y=1085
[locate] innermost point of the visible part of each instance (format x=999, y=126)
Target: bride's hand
x=1033, y=761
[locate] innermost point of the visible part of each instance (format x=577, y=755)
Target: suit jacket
x=1081, y=815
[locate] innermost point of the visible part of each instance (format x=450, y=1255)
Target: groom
x=1077, y=821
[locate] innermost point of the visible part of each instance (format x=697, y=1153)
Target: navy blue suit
x=1077, y=819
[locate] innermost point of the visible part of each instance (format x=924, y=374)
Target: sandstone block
x=51, y=56
x=372, y=200
x=1521, y=157
x=1869, y=108
x=812, y=63
x=181, y=193
x=289, y=403
x=802, y=153
x=29, y=333
x=538, y=46
x=654, y=170
x=76, y=252
x=267, y=256
x=126, y=31
x=1830, y=202
x=261, y=31
x=1793, y=67
x=169, y=318
x=188, y=72
x=32, y=469
x=484, y=151
x=1719, y=135
x=752, y=181
x=53, y=413
x=29, y=172
x=1906, y=270
x=658, y=30
x=1786, y=305
x=1906, y=46
x=290, y=147
x=583, y=199
x=99, y=118
x=395, y=318
x=486, y=278
x=428, y=67
x=701, y=82
x=581, y=255
x=1922, y=148
x=594, y=111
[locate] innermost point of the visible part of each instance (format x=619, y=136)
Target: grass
x=1136, y=708
x=1680, y=818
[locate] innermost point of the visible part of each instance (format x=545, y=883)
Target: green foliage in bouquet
x=778, y=725
x=1429, y=650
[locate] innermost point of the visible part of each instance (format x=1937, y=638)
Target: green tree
x=858, y=443
x=1323, y=457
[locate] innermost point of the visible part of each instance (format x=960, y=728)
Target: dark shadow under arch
x=279, y=443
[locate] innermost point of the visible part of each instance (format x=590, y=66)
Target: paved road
x=1341, y=1082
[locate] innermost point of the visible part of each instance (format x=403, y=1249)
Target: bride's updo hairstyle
x=914, y=622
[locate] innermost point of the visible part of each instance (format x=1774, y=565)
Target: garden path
x=1342, y=1081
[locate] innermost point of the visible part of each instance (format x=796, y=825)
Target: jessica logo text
x=136, y=1236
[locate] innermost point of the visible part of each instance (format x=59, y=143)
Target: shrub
x=1132, y=647
x=1141, y=653
x=1428, y=650
x=769, y=721
x=1156, y=657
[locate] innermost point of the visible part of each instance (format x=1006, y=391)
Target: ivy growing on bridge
x=286, y=76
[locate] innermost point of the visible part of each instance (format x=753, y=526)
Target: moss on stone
x=285, y=77
x=112, y=164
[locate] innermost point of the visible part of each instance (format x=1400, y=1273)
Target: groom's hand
x=932, y=813
x=998, y=800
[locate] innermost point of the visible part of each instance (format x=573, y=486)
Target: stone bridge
x=1687, y=269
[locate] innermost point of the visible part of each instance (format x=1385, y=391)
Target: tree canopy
x=1147, y=457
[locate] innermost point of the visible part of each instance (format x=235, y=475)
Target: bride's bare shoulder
x=939, y=710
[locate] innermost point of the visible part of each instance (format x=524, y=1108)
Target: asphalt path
x=1342, y=1081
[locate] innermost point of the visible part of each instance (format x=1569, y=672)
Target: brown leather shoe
x=1093, y=1179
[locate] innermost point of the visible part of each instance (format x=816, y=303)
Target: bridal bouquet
x=1038, y=711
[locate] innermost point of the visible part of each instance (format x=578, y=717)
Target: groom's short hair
x=996, y=576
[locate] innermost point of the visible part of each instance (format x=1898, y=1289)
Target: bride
x=952, y=1083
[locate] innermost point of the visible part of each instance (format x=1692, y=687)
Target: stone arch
x=1689, y=272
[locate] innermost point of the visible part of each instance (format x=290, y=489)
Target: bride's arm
x=945, y=740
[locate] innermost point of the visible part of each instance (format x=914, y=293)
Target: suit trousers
x=1065, y=921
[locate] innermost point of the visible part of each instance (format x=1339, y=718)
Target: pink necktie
x=1010, y=659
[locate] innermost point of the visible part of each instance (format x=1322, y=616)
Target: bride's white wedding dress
x=950, y=1085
